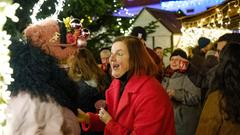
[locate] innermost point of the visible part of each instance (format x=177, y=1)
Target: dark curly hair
x=230, y=37
x=228, y=76
x=39, y=74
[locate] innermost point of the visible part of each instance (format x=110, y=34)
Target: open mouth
x=115, y=66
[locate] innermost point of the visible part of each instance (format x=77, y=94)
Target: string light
x=59, y=7
x=184, y=5
x=221, y=18
x=35, y=11
x=37, y=8
x=119, y=20
x=128, y=31
x=190, y=36
x=6, y=10
x=199, y=5
x=212, y=26
x=123, y=12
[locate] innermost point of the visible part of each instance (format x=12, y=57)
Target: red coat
x=143, y=109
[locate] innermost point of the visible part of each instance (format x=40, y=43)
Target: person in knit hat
x=198, y=63
x=179, y=52
x=184, y=95
x=204, y=44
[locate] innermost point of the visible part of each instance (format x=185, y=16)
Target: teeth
x=115, y=66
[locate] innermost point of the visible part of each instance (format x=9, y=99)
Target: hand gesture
x=82, y=116
x=183, y=63
x=171, y=93
x=104, y=116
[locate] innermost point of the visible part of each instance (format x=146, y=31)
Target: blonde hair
x=82, y=66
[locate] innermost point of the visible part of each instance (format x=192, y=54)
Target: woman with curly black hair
x=221, y=113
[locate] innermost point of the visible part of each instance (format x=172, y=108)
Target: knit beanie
x=179, y=52
x=203, y=42
x=139, y=32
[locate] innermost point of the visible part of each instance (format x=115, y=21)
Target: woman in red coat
x=136, y=102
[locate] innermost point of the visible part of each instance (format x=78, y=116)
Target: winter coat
x=186, y=102
x=199, y=70
x=143, y=109
x=211, y=121
x=30, y=116
x=87, y=96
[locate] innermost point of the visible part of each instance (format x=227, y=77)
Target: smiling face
x=119, y=59
x=174, y=63
x=104, y=55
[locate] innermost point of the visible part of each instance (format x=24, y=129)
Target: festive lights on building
x=221, y=18
x=212, y=26
x=173, y=5
x=7, y=9
x=199, y=5
x=190, y=36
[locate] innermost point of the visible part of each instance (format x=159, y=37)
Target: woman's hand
x=171, y=93
x=82, y=116
x=104, y=116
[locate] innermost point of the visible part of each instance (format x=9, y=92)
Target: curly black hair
x=228, y=76
x=39, y=74
x=230, y=37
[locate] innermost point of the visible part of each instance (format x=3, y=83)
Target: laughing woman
x=136, y=102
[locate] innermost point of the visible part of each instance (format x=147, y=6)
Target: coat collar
x=133, y=85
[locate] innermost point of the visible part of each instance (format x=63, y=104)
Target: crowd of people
x=130, y=92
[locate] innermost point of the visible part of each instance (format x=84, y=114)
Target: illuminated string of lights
x=119, y=20
x=211, y=26
x=190, y=36
x=7, y=10
x=122, y=11
x=59, y=7
x=188, y=4
x=218, y=19
x=37, y=8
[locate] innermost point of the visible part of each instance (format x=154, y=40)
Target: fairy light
x=221, y=18
x=211, y=26
x=190, y=36
x=186, y=4
x=37, y=8
x=128, y=31
x=119, y=12
x=35, y=11
x=59, y=7
x=7, y=10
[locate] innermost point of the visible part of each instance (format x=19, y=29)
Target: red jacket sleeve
x=95, y=123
